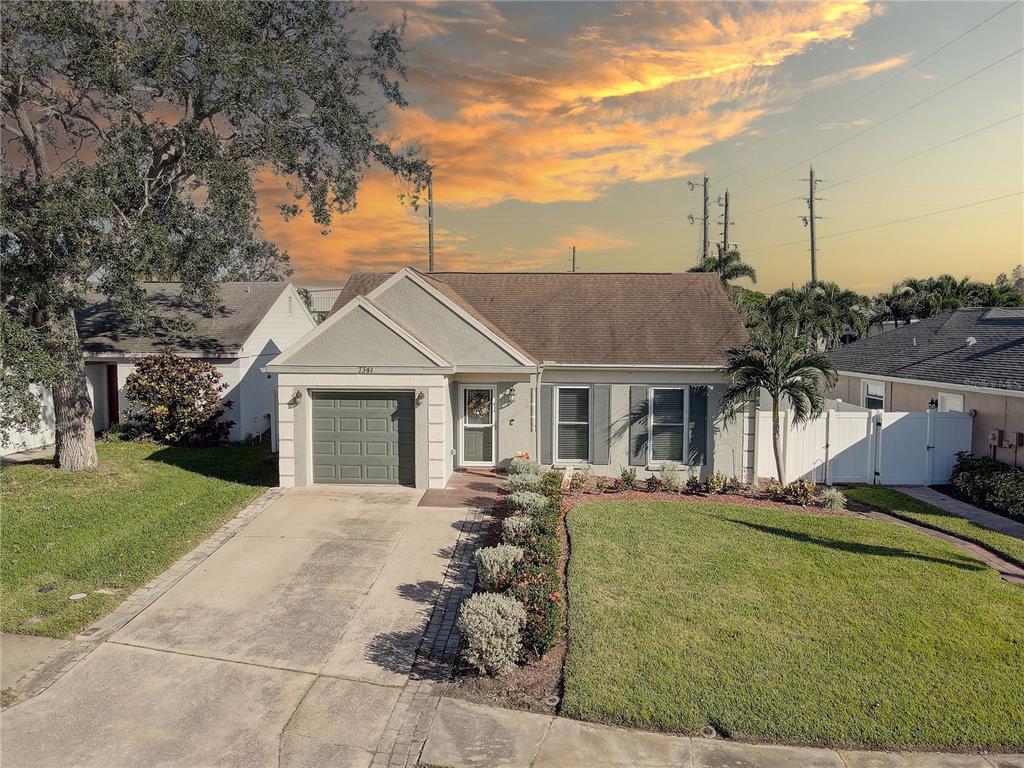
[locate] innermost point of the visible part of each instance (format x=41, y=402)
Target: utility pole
x=574, y=258
x=724, y=202
x=809, y=219
x=430, y=222
x=704, y=219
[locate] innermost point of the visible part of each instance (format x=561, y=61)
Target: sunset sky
x=555, y=124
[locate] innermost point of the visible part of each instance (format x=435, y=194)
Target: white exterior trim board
x=936, y=384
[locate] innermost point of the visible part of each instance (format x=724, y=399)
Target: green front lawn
x=907, y=507
x=783, y=626
x=112, y=528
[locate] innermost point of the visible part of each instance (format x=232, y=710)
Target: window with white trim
x=667, y=417
x=677, y=419
x=873, y=394
x=572, y=427
x=950, y=403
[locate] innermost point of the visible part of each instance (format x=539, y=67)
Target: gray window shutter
x=547, y=395
x=638, y=426
x=602, y=423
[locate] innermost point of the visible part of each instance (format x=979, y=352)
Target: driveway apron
x=289, y=645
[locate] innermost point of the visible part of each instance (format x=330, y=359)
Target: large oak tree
x=134, y=136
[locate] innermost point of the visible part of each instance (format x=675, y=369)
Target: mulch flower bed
x=715, y=498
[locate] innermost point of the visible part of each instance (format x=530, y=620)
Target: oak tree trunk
x=74, y=437
x=777, y=440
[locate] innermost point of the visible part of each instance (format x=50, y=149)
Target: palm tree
x=839, y=309
x=784, y=366
x=729, y=266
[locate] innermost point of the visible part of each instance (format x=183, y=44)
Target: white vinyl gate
x=890, y=448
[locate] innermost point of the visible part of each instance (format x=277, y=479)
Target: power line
x=878, y=87
x=924, y=151
x=887, y=119
x=891, y=163
x=890, y=223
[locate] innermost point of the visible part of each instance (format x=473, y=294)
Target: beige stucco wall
x=991, y=411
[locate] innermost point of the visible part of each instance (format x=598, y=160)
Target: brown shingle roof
x=636, y=318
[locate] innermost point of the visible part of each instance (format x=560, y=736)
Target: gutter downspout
x=535, y=415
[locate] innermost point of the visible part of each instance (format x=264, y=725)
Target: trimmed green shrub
x=525, y=502
x=551, y=483
x=538, y=588
x=628, y=478
x=517, y=529
x=833, y=498
x=496, y=566
x=492, y=626
x=990, y=483
x=176, y=400
x=525, y=481
x=521, y=466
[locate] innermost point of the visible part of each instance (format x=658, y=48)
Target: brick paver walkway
x=981, y=517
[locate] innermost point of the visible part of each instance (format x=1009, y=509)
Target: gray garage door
x=363, y=437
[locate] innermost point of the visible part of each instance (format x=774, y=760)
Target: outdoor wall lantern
x=510, y=394
x=933, y=403
x=296, y=398
x=419, y=398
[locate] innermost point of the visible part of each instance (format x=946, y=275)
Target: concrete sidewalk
x=463, y=735
x=976, y=515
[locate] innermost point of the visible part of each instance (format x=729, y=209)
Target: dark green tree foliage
x=138, y=132
x=176, y=400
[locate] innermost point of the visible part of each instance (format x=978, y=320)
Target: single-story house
x=968, y=360
x=251, y=325
x=415, y=375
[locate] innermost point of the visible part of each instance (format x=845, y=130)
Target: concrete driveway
x=289, y=645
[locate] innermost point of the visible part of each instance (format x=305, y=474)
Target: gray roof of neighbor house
x=940, y=349
x=633, y=318
x=185, y=327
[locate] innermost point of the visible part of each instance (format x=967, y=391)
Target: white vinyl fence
x=862, y=446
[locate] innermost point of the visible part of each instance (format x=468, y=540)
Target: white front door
x=476, y=430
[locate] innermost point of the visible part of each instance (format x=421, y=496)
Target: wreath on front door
x=479, y=405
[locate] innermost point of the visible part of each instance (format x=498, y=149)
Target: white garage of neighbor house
x=414, y=376
x=252, y=324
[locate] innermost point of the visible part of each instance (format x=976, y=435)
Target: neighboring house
x=321, y=301
x=965, y=360
x=414, y=376
x=252, y=324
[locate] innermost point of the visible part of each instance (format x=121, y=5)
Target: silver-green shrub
x=833, y=498
x=521, y=466
x=516, y=529
x=492, y=625
x=525, y=502
x=525, y=481
x=495, y=566
x=669, y=476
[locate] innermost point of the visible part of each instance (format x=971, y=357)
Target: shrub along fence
x=990, y=483
x=523, y=572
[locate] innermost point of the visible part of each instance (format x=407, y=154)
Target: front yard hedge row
x=990, y=483
x=532, y=577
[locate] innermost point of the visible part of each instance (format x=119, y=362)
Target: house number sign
x=365, y=369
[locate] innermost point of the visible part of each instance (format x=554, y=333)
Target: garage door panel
x=363, y=438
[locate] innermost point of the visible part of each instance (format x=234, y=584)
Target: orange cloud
x=509, y=109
